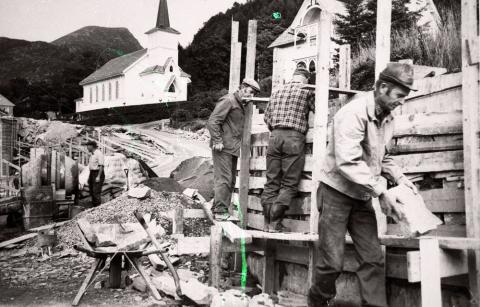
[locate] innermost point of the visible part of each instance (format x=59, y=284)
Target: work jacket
x=226, y=123
x=357, y=152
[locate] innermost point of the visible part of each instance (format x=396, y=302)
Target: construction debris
x=139, y=192
x=231, y=298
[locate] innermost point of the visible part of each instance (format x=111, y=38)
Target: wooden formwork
x=435, y=142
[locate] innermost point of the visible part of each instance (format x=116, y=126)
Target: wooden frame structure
x=441, y=148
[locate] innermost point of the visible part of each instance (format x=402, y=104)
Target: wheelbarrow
x=113, y=256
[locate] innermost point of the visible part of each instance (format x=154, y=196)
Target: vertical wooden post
x=384, y=20
x=471, y=142
x=251, y=49
x=320, y=126
x=215, y=255
x=344, y=69
x=177, y=221
x=268, y=273
x=237, y=62
x=233, y=49
x=430, y=274
x=321, y=109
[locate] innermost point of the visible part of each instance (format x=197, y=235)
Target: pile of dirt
x=43, y=132
x=160, y=184
x=201, y=135
x=123, y=207
x=196, y=173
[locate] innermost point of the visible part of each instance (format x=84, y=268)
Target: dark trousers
x=95, y=187
x=339, y=213
x=224, y=171
x=285, y=162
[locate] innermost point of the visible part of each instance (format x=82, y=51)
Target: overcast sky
x=47, y=20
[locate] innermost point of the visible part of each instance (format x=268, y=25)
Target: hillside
x=41, y=76
x=106, y=42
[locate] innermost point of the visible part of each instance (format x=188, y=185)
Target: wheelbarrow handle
x=170, y=266
x=146, y=253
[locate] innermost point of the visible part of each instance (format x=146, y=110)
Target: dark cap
x=399, y=74
x=92, y=143
x=302, y=72
x=252, y=83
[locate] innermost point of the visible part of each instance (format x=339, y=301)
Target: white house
x=147, y=76
x=298, y=44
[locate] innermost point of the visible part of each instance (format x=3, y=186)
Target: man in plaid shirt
x=287, y=119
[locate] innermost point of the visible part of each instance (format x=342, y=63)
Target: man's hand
x=97, y=179
x=390, y=206
x=405, y=181
x=218, y=147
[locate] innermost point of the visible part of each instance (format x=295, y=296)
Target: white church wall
x=161, y=46
x=87, y=105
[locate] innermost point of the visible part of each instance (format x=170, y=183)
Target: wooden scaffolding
x=436, y=143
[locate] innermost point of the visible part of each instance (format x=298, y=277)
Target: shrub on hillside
x=204, y=113
x=181, y=115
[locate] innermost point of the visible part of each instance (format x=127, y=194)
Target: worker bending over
x=286, y=116
x=226, y=129
x=356, y=159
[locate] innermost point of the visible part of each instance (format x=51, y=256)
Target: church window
x=171, y=89
x=171, y=68
x=103, y=91
x=96, y=93
x=109, y=91
x=90, y=98
x=117, y=89
x=311, y=67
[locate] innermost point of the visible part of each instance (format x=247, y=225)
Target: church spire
x=163, y=21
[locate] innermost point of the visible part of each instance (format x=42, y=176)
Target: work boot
x=266, y=216
x=277, y=212
x=220, y=212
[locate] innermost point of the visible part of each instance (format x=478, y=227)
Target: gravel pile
x=123, y=208
x=201, y=135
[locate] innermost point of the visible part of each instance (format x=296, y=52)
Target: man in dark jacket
x=226, y=128
x=287, y=119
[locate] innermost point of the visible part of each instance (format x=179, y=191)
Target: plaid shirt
x=289, y=107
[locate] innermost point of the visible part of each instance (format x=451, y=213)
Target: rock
x=230, y=298
x=186, y=275
x=165, y=284
x=198, y=292
x=87, y=230
x=138, y=298
x=139, y=284
x=261, y=300
x=99, y=285
x=139, y=192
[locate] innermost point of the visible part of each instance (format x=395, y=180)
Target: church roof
x=163, y=20
x=160, y=69
x=114, y=67
x=5, y=102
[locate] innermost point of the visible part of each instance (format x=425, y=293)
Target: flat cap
x=302, y=72
x=91, y=143
x=400, y=74
x=252, y=83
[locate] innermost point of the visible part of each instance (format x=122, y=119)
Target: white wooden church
x=147, y=76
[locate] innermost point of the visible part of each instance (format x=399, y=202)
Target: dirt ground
x=30, y=280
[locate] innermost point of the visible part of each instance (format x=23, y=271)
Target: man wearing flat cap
x=354, y=171
x=286, y=116
x=97, y=175
x=226, y=129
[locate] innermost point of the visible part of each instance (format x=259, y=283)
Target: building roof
x=163, y=20
x=5, y=102
x=114, y=67
x=287, y=37
x=160, y=69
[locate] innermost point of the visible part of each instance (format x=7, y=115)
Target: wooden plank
x=256, y=234
x=193, y=245
x=452, y=263
x=251, y=49
x=429, y=143
x=431, y=161
x=436, y=84
x=269, y=275
x=259, y=182
x=343, y=91
x=344, y=66
x=255, y=221
x=428, y=124
x=233, y=44
x=441, y=231
x=17, y=240
x=215, y=255
x=471, y=142
x=194, y=214
x=299, y=205
x=384, y=20
x=450, y=198
x=177, y=221
x=431, y=289
x=235, y=234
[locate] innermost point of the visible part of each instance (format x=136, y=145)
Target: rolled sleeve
x=390, y=169
x=349, y=132
x=216, y=120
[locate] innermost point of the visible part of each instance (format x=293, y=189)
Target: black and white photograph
x=240, y=153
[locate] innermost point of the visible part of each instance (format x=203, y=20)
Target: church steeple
x=162, y=18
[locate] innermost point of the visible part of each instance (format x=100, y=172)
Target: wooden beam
x=321, y=110
x=235, y=234
x=344, y=91
x=303, y=237
x=430, y=274
x=384, y=21
x=471, y=130
x=215, y=255
x=344, y=67
x=17, y=240
x=269, y=273
x=452, y=263
x=233, y=49
x=251, y=49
